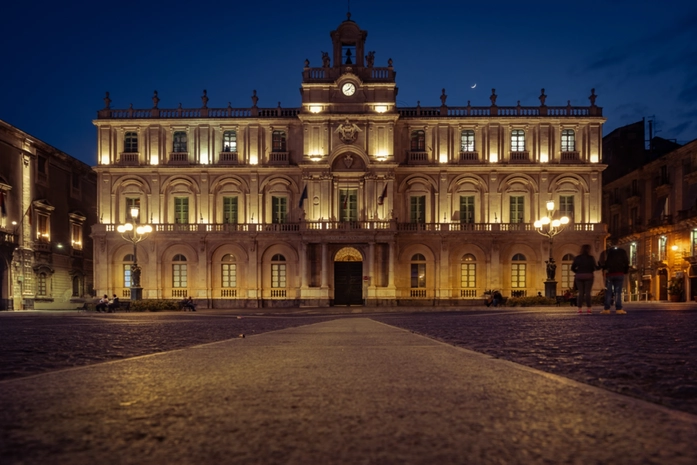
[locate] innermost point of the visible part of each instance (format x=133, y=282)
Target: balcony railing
x=418, y=158
x=279, y=158
x=179, y=158
x=570, y=157
x=520, y=157
x=228, y=158
x=469, y=157
x=129, y=158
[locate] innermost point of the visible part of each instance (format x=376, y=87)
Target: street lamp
x=134, y=233
x=549, y=228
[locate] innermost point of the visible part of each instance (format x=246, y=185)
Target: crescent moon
x=475, y=85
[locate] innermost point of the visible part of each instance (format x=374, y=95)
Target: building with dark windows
x=47, y=205
x=347, y=198
x=652, y=213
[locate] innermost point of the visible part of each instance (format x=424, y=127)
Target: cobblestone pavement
x=651, y=355
x=37, y=343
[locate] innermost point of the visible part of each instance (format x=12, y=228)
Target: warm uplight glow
x=594, y=158
x=381, y=108
x=550, y=205
x=105, y=159
x=544, y=158
x=494, y=158
x=443, y=158
x=154, y=160
x=204, y=158
x=315, y=109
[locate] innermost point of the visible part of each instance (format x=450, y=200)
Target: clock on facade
x=348, y=89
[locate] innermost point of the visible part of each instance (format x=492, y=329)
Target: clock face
x=348, y=89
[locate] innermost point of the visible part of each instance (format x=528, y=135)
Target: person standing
x=615, y=264
x=584, y=265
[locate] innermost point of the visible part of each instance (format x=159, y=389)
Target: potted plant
x=675, y=288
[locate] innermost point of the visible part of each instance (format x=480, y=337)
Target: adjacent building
x=47, y=205
x=347, y=198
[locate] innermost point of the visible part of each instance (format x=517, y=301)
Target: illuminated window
x=468, y=272
x=230, y=141
x=42, y=228
x=633, y=254
x=517, y=210
x=181, y=210
x=417, y=209
x=566, y=206
x=179, y=142
x=518, y=271
x=130, y=142
x=418, y=271
x=662, y=243
x=278, y=271
x=467, y=141
x=76, y=236
x=693, y=242
x=568, y=140
x=517, y=140
x=278, y=141
x=466, y=209
x=567, y=276
x=279, y=209
x=230, y=210
x=348, y=208
x=179, y=271
x=418, y=141
x=127, y=263
x=228, y=269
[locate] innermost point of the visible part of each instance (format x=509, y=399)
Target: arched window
x=468, y=272
x=179, y=271
x=230, y=141
x=228, y=271
x=278, y=141
x=179, y=142
x=130, y=142
x=517, y=140
x=418, y=271
x=127, y=264
x=467, y=140
x=567, y=277
x=278, y=271
x=518, y=271
x=568, y=140
x=418, y=141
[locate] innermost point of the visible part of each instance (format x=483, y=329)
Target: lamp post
x=134, y=233
x=549, y=228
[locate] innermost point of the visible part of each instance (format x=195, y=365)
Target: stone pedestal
x=550, y=289
x=136, y=293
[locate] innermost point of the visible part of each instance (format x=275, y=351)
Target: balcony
x=279, y=158
x=228, y=158
x=468, y=157
x=570, y=157
x=179, y=158
x=417, y=158
x=129, y=159
x=520, y=157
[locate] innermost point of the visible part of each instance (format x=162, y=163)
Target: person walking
x=615, y=264
x=584, y=265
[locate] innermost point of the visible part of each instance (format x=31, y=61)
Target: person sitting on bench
x=102, y=304
x=113, y=304
x=189, y=304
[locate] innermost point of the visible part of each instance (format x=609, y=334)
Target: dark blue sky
x=60, y=57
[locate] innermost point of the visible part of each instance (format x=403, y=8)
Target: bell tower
x=349, y=44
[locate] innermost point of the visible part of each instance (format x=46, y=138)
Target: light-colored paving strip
x=347, y=391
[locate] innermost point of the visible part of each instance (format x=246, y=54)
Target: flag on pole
x=381, y=199
x=303, y=196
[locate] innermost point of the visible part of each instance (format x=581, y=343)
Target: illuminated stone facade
x=348, y=198
x=48, y=205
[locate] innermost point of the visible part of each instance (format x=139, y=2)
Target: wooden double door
x=348, y=283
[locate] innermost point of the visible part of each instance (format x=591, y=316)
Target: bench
x=124, y=305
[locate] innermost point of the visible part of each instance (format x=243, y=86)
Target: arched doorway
x=348, y=277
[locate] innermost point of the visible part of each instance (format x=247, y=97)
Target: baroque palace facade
x=347, y=199
x=47, y=204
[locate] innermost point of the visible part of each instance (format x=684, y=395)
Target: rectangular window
x=130, y=142
x=76, y=236
x=566, y=206
x=179, y=277
x=181, y=210
x=693, y=243
x=466, y=209
x=517, y=209
x=42, y=228
x=229, y=274
x=179, y=142
x=662, y=242
x=634, y=216
x=517, y=140
x=127, y=276
x=230, y=141
x=633, y=254
x=468, y=274
x=418, y=141
x=278, y=275
x=418, y=275
x=230, y=210
x=348, y=205
x=568, y=140
x=41, y=284
x=467, y=141
x=75, y=182
x=278, y=142
x=417, y=209
x=279, y=209
x=518, y=275
x=567, y=277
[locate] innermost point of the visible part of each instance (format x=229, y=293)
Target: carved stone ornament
x=348, y=132
x=348, y=160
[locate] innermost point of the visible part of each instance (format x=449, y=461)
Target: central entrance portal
x=348, y=277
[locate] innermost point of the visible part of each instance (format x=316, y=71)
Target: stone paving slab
x=345, y=391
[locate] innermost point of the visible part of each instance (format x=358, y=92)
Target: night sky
x=61, y=57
